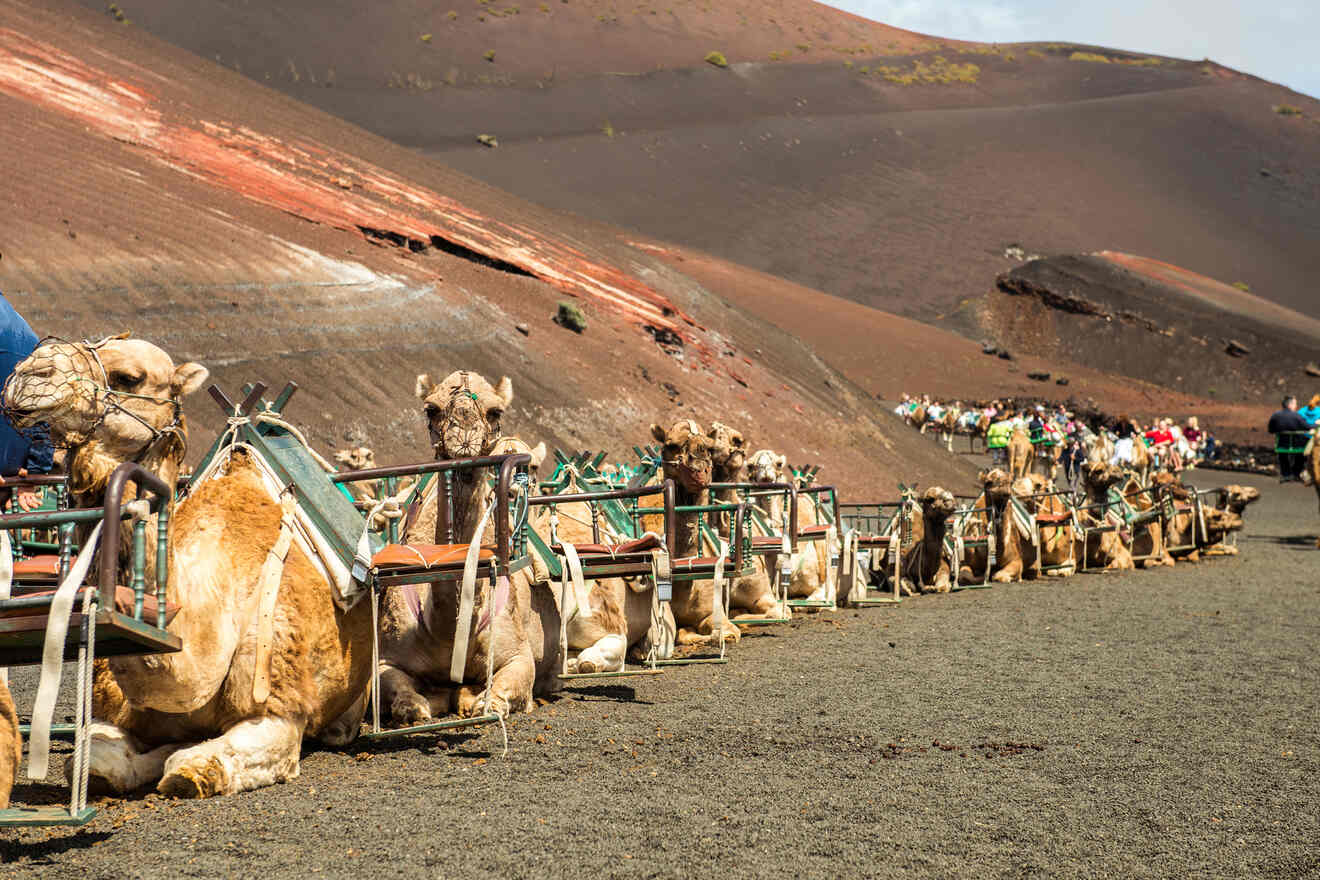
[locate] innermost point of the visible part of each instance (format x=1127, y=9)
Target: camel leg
x=401, y=696
x=344, y=729
x=1008, y=573
x=510, y=689
x=660, y=635
x=940, y=582
x=252, y=754
x=11, y=745
x=117, y=761
x=605, y=655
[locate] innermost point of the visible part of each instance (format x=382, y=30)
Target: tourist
x=29, y=452
x=1125, y=432
x=1311, y=412
x=1289, y=430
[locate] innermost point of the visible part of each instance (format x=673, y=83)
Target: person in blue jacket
x=28, y=452
x=1311, y=412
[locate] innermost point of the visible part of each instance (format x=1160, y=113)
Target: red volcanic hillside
x=148, y=189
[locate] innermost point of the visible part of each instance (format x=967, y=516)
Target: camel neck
x=468, y=497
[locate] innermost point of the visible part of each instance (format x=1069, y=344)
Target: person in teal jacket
x=1311, y=412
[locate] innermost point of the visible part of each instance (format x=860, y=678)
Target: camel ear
x=538, y=454
x=783, y=462
x=505, y=390
x=425, y=385
x=188, y=378
x=658, y=433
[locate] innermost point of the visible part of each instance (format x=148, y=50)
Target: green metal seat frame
x=96, y=625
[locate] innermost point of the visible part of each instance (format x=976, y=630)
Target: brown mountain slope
x=896, y=182
x=149, y=189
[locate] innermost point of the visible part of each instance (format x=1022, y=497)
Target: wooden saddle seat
x=644, y=544
x=393, y=557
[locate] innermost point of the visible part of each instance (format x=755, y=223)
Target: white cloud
x=1276, y=41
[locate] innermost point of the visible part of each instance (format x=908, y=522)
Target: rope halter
x=76, y=379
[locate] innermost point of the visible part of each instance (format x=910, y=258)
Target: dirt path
x=1154, y=724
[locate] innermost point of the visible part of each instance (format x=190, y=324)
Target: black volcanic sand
x=1156, y=723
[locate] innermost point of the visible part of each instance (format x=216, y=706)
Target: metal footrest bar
x=688, y=661
x=759, y=621
x=36, y=817
x=454, y=724
x=619, y=673
x=868, y=603
x=809, y=603
x=57, y=731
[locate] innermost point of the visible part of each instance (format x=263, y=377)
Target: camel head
x=515, y=446
x=1171, y=482
x=938, y=503
x=997, y=484
x=1238, y=497
x=1098, y=476
x=356, y=459
x=463, y=413
x=766, y=466
x=108, y=402
x=686, y=454
x=728, y=451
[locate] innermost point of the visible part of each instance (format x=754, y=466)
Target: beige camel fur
x=11, y=745
x=1015, y=551
x=1021, y=454
x=751, y=596
x=1058, y=547
x=1313, y=465
x=811, y=576
x=621, y=618
x=1233, y=502
x=1141, y=460
x=1148, y=538
x=949, y=426
x=685, y=451
x=975, y=527
x=418, y=625
x=188, y=721
x=925, y=565
x=1105, y=549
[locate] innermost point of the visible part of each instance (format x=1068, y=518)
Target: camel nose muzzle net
x=58, y=376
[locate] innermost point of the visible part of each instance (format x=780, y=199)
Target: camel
x=1106, y=549
x=1148, y=537
x=686, y=455
x=192, y=722
x=1313, y=466
x=620, y=616
x=418, y=625
x=812, y=577
x=11, y=745
x=1141, y=461
x=1015, y=548
x=1058, y=539
x=752, y=594
x=974, y=526
x=1020, y=454
x=1233, y=500
x=949, y=426
x=925, y=565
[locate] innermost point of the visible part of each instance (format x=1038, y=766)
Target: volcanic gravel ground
x=1153, y=723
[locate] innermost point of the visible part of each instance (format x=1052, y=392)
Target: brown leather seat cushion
x=773, y=542
x=1053, y=518
x=874, y=540
x=123, y=604
x=809, y=532
x=643, y=544
x=690, y=562
x=37, y=566
x=425, y=555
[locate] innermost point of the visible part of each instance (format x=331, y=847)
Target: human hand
x=29, y=500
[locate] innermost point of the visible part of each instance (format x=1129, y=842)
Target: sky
x=1277, y=40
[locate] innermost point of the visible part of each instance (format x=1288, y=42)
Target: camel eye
x=120, y=381
x=431, y=410
x=493, y=414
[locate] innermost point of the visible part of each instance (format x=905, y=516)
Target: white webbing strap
x=268, y=590
x=719, y=604
x=6, y=583
x=389, y=507
x=573, y=572
x=52, y=655
x=467, y=599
